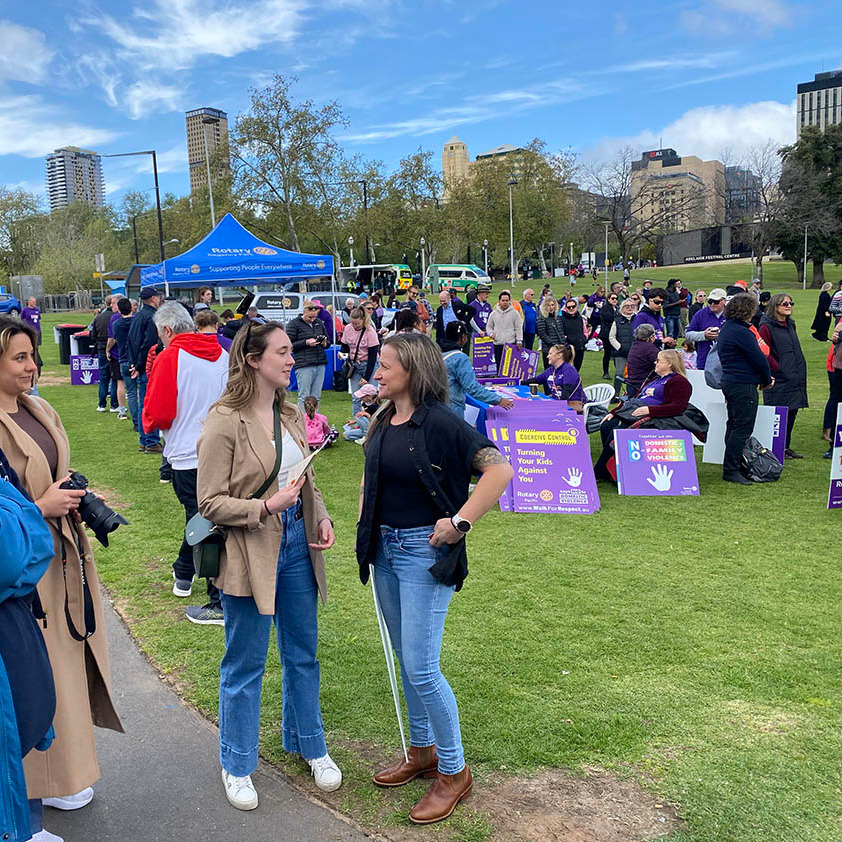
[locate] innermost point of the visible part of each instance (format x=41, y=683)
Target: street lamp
x=606, y=255
x=423, y=261
x=351, y=247
x=485, y=254
x=209, y=121
x=804, y=275
x=571, y=256
x=552, y=259
x=512, y=182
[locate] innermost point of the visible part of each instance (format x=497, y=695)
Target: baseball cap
x=368, y=389
x=717, y=294
x=147, y=293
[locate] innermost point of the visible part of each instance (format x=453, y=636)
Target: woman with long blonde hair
x=271, y=568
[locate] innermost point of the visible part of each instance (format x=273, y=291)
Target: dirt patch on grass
x=762, y=719
x=50, y=379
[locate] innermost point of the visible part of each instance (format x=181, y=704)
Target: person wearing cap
x=356, y=428
x=481, y=308
x=143, y=335
x=309, y=340
x=704, y=326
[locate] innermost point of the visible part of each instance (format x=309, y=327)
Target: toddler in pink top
x=317, y=427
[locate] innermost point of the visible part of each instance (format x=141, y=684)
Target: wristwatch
x=462, y=525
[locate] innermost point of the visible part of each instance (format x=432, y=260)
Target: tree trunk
x=818, y=273
x=758, y=267
x=799, y=269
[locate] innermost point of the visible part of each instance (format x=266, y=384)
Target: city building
x=742, y=194
x=74, y=175
x=819, y=103
x=455, y=163
x=207, y=137
x=503, y=151
x=676, y=192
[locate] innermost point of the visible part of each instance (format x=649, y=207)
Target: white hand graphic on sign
x=573, y=478
x=661, y=478
x=87, y=377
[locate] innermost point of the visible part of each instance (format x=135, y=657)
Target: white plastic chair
x=600, y=394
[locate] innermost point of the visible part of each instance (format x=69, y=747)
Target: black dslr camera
x=96, y=513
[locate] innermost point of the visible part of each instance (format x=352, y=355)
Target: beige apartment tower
x=207, y=132
x=455, y=164
x=677, y=192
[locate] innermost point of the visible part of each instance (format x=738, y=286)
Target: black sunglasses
x=787, y=304
x=657, y=301
x=571, y=307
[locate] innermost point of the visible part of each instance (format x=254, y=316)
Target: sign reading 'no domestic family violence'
x=657, y=463
x=84, y=370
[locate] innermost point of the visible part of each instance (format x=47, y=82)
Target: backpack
x=759, y=464
x=713, y=369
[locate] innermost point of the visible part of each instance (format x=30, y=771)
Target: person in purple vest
x=481, y=308
x=650, y=314
x=561, y=380
x=704, y=326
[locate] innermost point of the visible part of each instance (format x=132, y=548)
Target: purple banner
x=498, y=431
x=84, y=370
x=834, y=497
x=779, y=432
x=518, y=363
x=552, y=464
x=482, y=357
x=655, y=463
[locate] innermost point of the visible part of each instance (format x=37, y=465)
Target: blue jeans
x=310, y=379
x=357, y=430
x=107, y=386
x=131, y=393
x=414, y=605
x=148, y=438
x=672, y=325
x=246, y=644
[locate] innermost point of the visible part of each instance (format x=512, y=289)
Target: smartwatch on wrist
x=461, y=525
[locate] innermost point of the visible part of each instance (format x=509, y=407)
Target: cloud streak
x=24, y=55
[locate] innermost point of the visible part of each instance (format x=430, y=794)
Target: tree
x=19, y=228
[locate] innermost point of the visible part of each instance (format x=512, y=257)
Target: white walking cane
x=390, y=661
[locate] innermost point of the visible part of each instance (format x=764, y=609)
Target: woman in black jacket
x=606, y=320
x=821, y=322
x=548, y=326
x=574, y=331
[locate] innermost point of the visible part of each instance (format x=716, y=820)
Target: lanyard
x=90, y=616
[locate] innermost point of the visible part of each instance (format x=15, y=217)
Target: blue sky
x=117, y=75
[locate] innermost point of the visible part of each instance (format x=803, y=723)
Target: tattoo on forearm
x=487, y=456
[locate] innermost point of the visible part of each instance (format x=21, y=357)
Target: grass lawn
x=690, y=644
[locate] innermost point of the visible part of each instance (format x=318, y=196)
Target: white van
x=458, y=276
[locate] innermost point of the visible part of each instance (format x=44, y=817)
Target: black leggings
x=606, y=355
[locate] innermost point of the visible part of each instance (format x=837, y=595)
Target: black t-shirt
x=402, y=500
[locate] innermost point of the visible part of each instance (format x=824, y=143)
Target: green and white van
x=458, y=276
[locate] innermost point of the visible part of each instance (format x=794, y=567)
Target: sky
x=699, y=76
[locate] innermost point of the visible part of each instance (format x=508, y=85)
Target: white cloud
x=718, y=18
x=708, y=130
x=769, y=13
x=24, y=55
x=31, y=128
x=147, y=96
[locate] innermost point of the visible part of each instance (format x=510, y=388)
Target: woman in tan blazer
x=36, y=445
x=272, y=566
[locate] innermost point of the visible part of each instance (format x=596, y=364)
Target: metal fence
x=83, y=299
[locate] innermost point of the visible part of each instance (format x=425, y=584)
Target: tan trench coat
x=81, y=669
x=235, y=458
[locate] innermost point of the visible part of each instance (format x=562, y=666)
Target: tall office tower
x=455, y=163
x=820, y=101
x=207, y=131
x=74, y=175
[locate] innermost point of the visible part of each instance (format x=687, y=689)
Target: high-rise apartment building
x=74, y=175
x=677, y=192
x=742, y=194
x=819, y=102
x=455, y=164
x=207, y=137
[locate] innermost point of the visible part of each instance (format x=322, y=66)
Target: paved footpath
x=161, y=779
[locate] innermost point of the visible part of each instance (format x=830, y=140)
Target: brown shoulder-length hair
x=743, y=306
x=421, y=358
x=241, y=390
x=11, y=326
x=771, y=312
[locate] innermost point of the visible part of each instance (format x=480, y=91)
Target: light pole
x=606, y=255
x=485, y=254
x=804, y=276
x=351, y=247
x=570, y=265
x=423, y=262
x=552, y=260
x=513, y=262
x=209, y=121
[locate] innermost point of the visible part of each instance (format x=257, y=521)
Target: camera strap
x=90, y=616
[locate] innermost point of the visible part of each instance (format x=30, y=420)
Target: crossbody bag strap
x=279, y=449
x=87, y=597
x=357, y=349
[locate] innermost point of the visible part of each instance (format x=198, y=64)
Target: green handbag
x=208, y=538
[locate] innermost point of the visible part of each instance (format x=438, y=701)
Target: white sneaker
x=240, y=792
x=46, y=836
x=325, y=773
x=71, y=802
x=102, y=409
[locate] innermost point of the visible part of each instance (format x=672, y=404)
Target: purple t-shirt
x=647, y=317
x=482, y=310
x=115, y=350
x=557, y=378
x=653, y=394
x=32, y=316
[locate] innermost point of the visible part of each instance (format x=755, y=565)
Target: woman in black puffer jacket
x=548, y=326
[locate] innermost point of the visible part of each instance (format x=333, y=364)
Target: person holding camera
x=271, y=568
x=309, y=340
x=36, y=445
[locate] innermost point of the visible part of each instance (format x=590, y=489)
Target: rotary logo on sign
x=264, y=250
x=195, y=269
x=320, y=264
x=546, y=495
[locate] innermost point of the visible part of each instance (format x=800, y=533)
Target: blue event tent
x=231, y=256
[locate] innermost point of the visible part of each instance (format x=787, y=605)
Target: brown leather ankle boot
x=422, y=762
x=442, y=797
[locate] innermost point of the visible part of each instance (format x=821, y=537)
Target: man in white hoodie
x=505, y=326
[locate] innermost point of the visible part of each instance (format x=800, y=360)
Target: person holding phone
x=271, y=568
x=309, y=339
x=705, y=325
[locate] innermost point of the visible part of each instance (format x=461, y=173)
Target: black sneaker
x=736, y=477
x=206, y=615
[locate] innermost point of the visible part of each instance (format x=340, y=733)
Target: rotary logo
x=546, y=495
x=264, y=250
x=195, y=269
x=320, y=264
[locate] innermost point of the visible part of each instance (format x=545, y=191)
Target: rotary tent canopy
x=231, y=256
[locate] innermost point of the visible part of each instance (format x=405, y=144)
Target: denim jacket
x=442, y=448
x=463, y=381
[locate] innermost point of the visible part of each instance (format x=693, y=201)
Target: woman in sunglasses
x=574, y=331
x=697, y=304
x=787, y=362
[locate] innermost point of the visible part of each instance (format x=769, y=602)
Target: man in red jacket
x=187, y=377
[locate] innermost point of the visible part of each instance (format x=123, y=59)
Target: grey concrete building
x=819, y=102
x=74, y=175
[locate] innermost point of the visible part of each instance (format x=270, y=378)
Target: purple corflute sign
x=519, y=363
x=834, y=498
x=655, y=463
x=482, y=357
x=779, y=432
x=84, y=370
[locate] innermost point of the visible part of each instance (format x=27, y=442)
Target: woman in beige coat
x=272, y=566
x=34, y=440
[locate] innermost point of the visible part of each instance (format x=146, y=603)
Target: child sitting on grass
x=357, y=427
x=689, y=354
x=318, y=430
